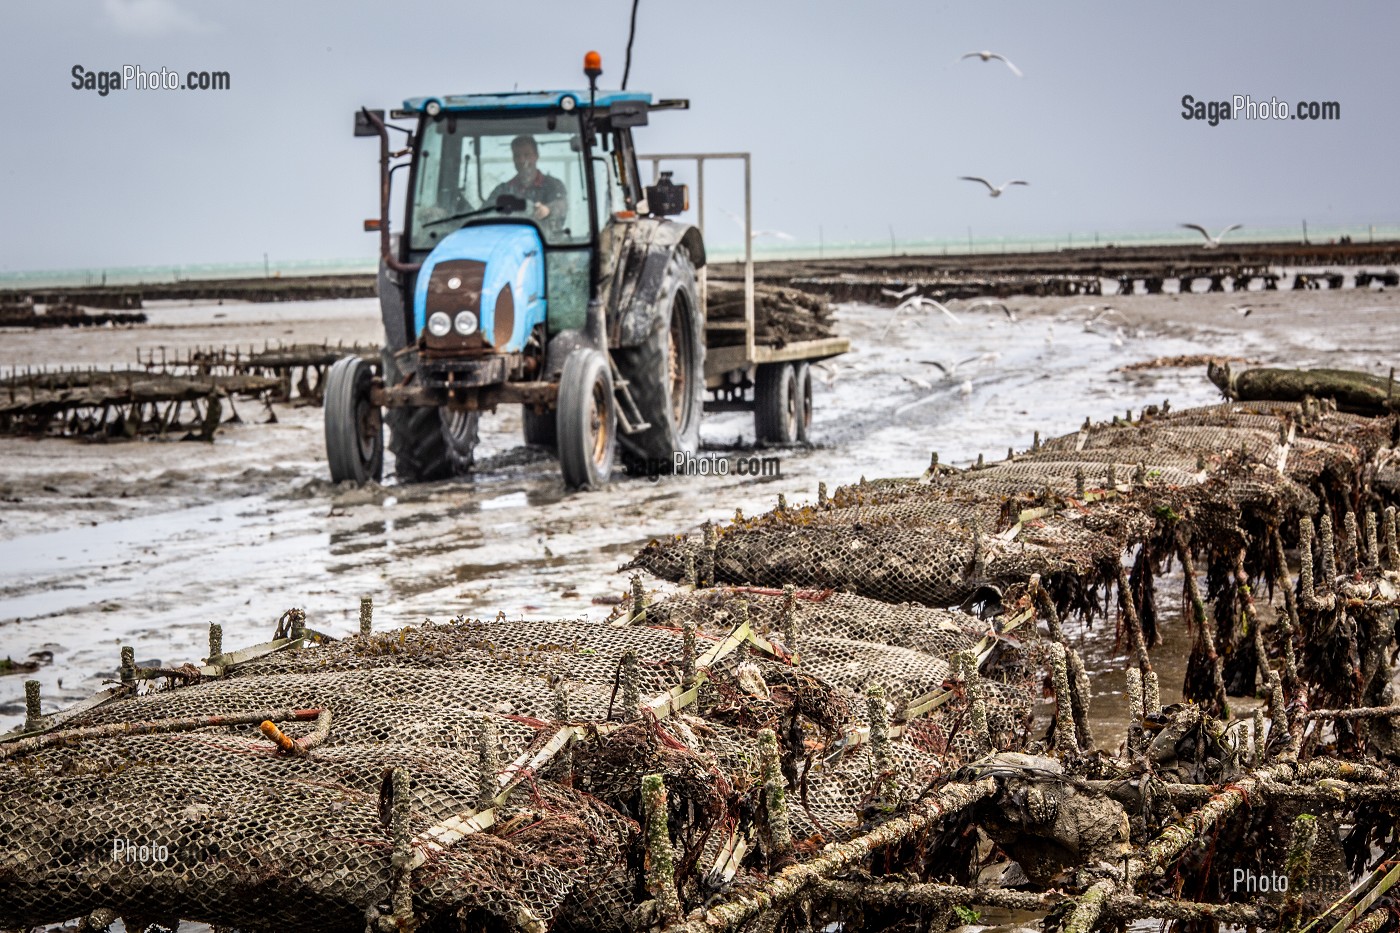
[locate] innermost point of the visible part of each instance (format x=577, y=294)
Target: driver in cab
x=546, y=192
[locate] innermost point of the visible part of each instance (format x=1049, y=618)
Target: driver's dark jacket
x=545, y=189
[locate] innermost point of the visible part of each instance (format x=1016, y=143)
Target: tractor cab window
x=478, y=169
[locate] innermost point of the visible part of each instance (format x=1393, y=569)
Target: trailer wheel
x=540, y=430
x=666, y=372
x=802, y=383
x=777, y=411
x=354, y=425
x=587, y=420
x=428, y=443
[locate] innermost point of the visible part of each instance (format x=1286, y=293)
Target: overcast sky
x=858, y=114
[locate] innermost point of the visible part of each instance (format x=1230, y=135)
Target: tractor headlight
x=433, y=108
x=439, y=324
x=465, y=324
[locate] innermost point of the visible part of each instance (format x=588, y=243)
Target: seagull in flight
x=992, y=189
x=988, y=56
x=916, y=303
x=993, y=303
x=776, y=234
x=1212, y=241
x=902, y=293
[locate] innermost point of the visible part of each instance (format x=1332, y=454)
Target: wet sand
x=145, y=542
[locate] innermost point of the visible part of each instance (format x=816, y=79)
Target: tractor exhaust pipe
x=385, y=252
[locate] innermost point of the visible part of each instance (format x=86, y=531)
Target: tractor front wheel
x=354, y=424
x=587, y=420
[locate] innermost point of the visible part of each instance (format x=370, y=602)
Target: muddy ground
x=145, y=542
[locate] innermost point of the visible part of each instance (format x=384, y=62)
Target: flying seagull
x=988, y=56
x=916, y=303
x=993, y=303
x=1212, y=241
x=993, y=190
x=754, y=235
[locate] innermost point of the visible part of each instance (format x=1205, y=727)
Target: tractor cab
x=537, y=177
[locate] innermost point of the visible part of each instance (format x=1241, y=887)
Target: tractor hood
x=496, y=272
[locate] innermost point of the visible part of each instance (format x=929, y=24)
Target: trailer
x=774, y=382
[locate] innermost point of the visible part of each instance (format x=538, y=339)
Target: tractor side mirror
x=364, y=126
x=666, y=199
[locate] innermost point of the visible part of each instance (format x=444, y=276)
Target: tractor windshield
x=474, y=167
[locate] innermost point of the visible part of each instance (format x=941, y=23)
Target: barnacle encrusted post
x=1151, y=695
x=1306, y=589
x=660, y=861
x=401, y=810
x=366, y=614
x=1066, y=741
x=639, y=598
x=33, y=720
x=1392, y=546
x=1135, y=732
x=788, y=622
x=688, y=676
x=1278, y=713
x=1329, y=551
x=774, y=795
x=1256, y=727
x=880, y=753
x=128, y=668
x=707, y=563
x=631, y=685
x=1351, y=554
x=216, y=641
x=296, y=619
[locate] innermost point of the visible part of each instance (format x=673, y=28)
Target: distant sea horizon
x=763, y=248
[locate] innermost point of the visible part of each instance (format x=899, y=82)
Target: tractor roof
x=526, y=100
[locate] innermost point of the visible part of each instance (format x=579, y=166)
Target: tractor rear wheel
x=587, y=420
x=777, y=407
x=428, y=443
x=802, y=380
x=666, y=373
x=354, y=424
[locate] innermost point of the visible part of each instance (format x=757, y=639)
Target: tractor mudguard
x=637, y=283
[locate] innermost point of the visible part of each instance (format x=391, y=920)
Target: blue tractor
x=533, y=267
